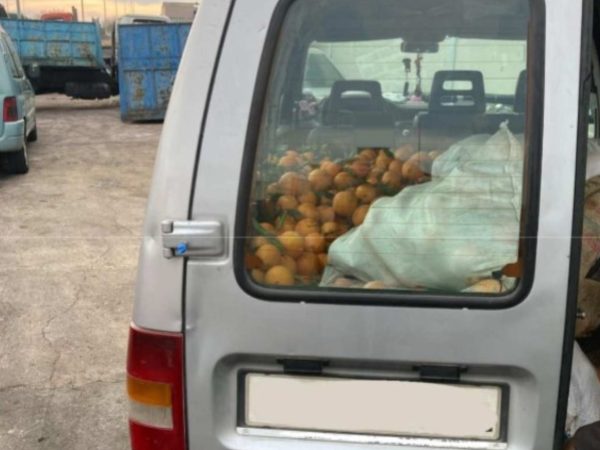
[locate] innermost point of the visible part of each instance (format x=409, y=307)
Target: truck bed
x=57, y=44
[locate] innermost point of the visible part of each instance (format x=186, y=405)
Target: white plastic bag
x=461, y=226
x=584, y=394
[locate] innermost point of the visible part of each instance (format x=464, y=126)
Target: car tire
x=17, y=162
x=33, y=136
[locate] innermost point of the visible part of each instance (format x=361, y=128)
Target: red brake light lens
x=155, y=390
x=10, y=111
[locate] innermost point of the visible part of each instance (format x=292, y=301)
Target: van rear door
x=397, y=270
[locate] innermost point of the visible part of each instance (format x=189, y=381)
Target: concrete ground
x=68, y=253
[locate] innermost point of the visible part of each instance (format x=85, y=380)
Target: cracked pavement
x=71, y=230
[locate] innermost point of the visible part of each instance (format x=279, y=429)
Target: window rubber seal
x=589, y=11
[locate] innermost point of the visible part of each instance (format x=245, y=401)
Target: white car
x=18, y=125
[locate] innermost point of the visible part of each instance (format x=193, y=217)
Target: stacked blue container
x=148, y=59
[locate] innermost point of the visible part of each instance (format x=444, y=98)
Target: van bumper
x=13, y=137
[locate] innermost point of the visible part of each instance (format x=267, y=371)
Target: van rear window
x=392, y=150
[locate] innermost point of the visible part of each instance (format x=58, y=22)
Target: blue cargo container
x=58, y=44
x=148, y=58
x=63, y=57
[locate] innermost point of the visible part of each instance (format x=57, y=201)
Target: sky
x=92, y=8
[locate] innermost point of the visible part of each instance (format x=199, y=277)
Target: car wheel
x=17, y=162
x=33, y=135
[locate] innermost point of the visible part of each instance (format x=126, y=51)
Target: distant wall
x=179, y=11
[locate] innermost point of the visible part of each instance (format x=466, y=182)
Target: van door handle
x=204, y=238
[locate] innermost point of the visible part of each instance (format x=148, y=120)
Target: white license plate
x=372, y=407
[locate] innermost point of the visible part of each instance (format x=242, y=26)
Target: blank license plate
x=372, y=407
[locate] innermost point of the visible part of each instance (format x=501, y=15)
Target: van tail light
x=155, y=390
x=9, y=111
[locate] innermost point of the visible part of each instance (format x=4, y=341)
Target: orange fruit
x=268, y=227
x=434, y=154
x=375, y=285
x=258, y=241
x=374, y=176
x=392, y=179
x=293, y=183
x=314, y=242
x=344, y=180
x=343, y=227
x=308, y=264
x=360, y=168
x=273, y=188
x=323, y=260
x=326, y=213
x=359, y=215
x=292, y=242
x=308, y=211
x=366, y=193
x=258, y=276
x=343, y=283
x=325, y=201
x=289, y=262
x=288, y=224
x=367, y=154
x=331, y=168
x=330, y=230
x=287, y=202
x=279, y=276
x=251, y=261
x=289, y=161
x=487, y=286
x=345, y=203
x=382, y=161
x=419, y=157
x=307, y=226
x=308, y=156
x=395, y=166
x=405, y=152
x=422, y=160
x=292, y=153
x=411, y=171
x=320, y=180
x=309, y=197
x=269, y=255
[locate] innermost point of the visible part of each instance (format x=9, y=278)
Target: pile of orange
x=305, y=204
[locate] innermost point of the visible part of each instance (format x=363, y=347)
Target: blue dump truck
x=148, y=59
x=62, y=57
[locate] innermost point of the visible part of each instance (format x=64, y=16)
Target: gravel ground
x=69, y=245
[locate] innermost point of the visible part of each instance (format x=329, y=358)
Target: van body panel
x=228, y=331
x=158, y=303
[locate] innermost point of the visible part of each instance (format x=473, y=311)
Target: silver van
x=390, y=266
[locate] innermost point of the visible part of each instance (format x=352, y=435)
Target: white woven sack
x=461, y=226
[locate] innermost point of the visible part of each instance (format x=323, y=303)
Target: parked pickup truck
x=63, y=57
